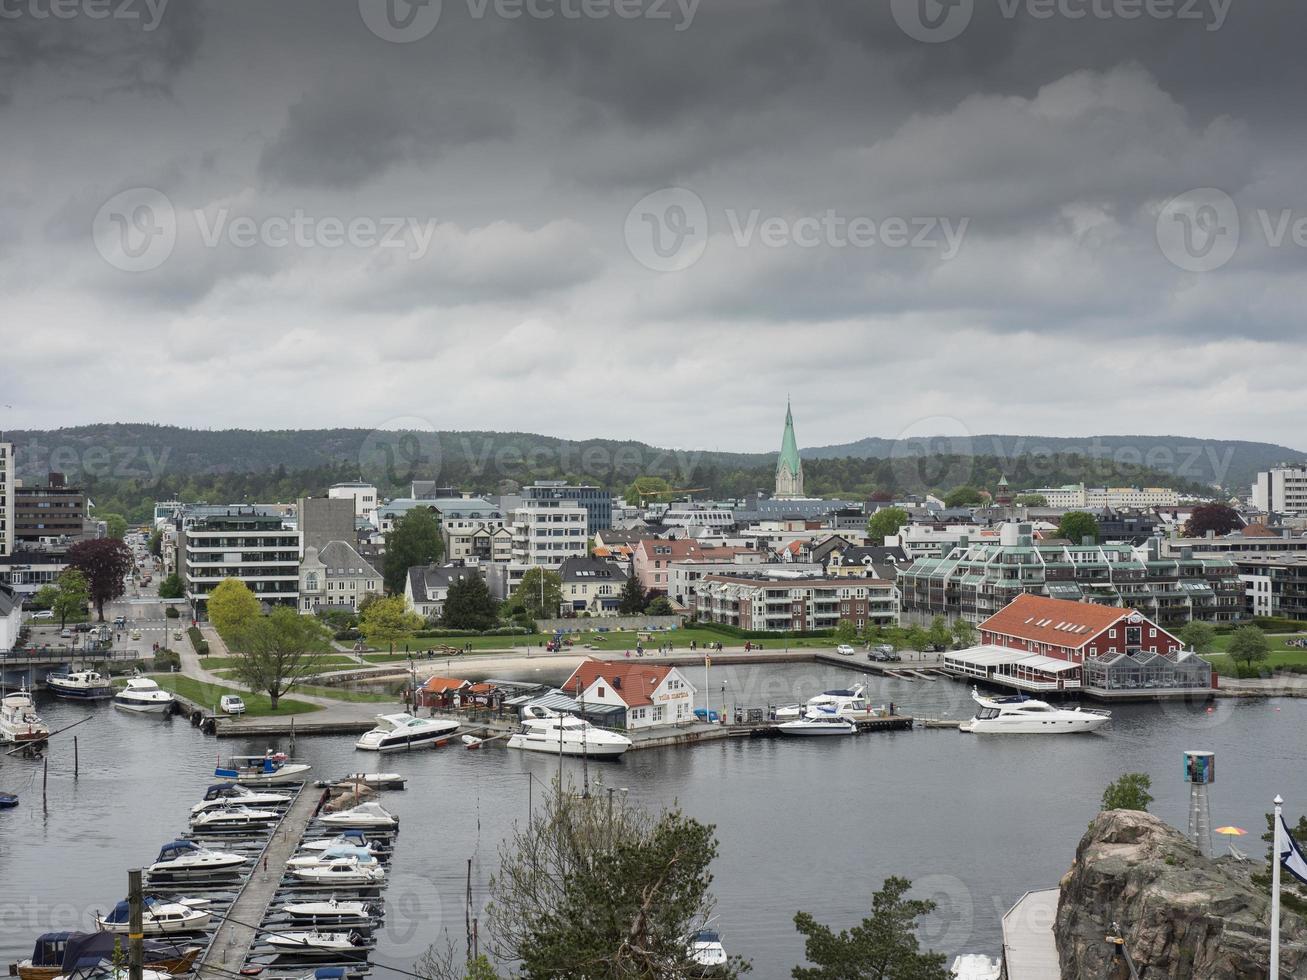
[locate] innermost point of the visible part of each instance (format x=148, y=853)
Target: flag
x=1292, y=858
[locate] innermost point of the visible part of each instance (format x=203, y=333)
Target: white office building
x=1076, y=496
x=364, y=496
x=546, y=532
x=1282, y=490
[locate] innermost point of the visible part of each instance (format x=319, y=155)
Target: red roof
x=1059, y=622
x=439, y=685
x=633, y=683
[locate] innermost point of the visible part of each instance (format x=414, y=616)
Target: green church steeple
x=789, y=467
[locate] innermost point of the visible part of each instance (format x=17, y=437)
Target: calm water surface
x=814, y=825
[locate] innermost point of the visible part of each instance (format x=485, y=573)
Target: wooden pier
x=236, y=935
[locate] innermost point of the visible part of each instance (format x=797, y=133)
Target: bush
x=200, y=644
x=738, y=633
x=1278, y=624
x=348, y=636
x=166, y=659
x=172, y=612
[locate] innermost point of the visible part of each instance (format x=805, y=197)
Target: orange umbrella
x=1231, y=831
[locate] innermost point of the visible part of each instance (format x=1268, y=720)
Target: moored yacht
x=568, y=735
x=80, y=685
x=19, y=721
x=59, y=953
x=340, y=872
x=314, y=943
x=331, y=910
x=269, y=769
x=707, y=952
x=839, y=701
x=1020, y=715
x=158, y=917
x=365, y=816
x=225, y=794
x=818, y=723
x=143, y=696
x=403, y=731
x=232, y=817
x=184, y=857
x=341, y=852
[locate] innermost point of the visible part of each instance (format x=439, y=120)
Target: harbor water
x=816, y=824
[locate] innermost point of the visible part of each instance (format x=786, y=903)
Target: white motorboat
x=1020, y=715
x=340, y=852
x=105, y=970
x=269, y=769
x=225, y=794
x=403, y=731
x=184, y=857
x=19, y=721
x=314, y=943
x=818, y=723
x=372, y=780
x=158, y=917
x=344, y=871
x=80, y=685
x=706, y=950
x=143, y=696
x=350, y=838
x=568, y=735
x=840, y=701
x=976, y=966
x=233, y=816
x=365, y=816
x=332, y=910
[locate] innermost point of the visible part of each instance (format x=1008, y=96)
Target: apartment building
x=1281, y=490
x=1076, y=496
x=549, y=530
x=1275, y=586
x=8, y=478
x=250, y=543
x=363, y=496
x=597, y=502
x=474, y=529
x=50, y=514
x=336, y=577
x=591, y=585
x=760, y=602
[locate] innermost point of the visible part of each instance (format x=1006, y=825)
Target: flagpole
x=1275, y=894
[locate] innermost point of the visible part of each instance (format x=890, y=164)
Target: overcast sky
x=656, y=219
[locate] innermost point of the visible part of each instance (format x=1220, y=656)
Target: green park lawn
x=1281, y=654
x=343, y=694
x=222, y=663
x=256, y=705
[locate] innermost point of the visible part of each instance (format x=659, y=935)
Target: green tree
x=1130, y=792
x=660, y=606
x=1248, y=644
x=883, y=946
x=964, y=634
x=529, y=591
x=1030, y=500
x=964, y=496
x=916, y=638
x=115, y=525
x=469, y=605
x=845, y=632
x=939, y=633
x=45, y=597
x=71, y=596
x=279, y=650
x=232, y=608
x=1076, y=525
x=414, y=541
x=106, y=563
x=1198, y=636
x=388, y=621
x=645, y=489
x=883, y=523
x=155, y=544
x=631, y=600
x=171, y=587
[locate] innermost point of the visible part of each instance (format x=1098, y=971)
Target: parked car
x=83, y=627
x=43, y=614
x=66, y=634
x=844, y=650
x=120, y=621
x=176, y=634
x=884, y=653
x=136, y=634
x=232, y=704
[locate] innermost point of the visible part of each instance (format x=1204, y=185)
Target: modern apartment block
x=1282, y=490
x=52, y=514
x=250, y=543
x=762, y=602
x=975, y=581
x=1275, y=586
x=549, y=530
x=7, y=480
x=598, y=503
x=364, y=496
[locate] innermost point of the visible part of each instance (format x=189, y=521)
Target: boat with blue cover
x=57, y=953
x=159, y=917
x=8, y=801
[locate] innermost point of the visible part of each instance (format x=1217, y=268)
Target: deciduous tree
x=964, y=496
x=660, y=606
x=171, y=587
x=646, y=488
x=883, y=523
x=72, y=593
x=469, y=605
x=414, y=541
x=1130, y=792
x=1198, y=636
x=278, y=650
x=1248, y=644
x=529, y=596
x=1218, y=518
x=106, y=563
x=845, y=632
x=1076, y=525
x=388, y=620
x=232, y=607
x=939, y=633
x=115, y=525
x=964, y=634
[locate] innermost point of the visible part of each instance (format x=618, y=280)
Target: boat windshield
x=985, y=714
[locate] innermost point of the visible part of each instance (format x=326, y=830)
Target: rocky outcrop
x=1183, y=916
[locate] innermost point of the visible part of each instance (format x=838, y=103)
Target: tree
x=115, y=525
x=660, y=605
x=469, y=605
x=1130, y=792
x=645, y=488
x=631, y=600
x=279, y=650
x=964, y=496
x=389, y=620
x=883, y=946
x=916, y=638
x=44, y=597
x=1198, y=636
x=106, y=563
x=1076, y=525
x=1218, y=518
x=155, y=544
x=1030, y=500
x=528, y=593
x=232, y=607
x=845, y=632
x=171, y=587
x=883, y=523
x=71, y=596
x=964, y=634
x=1249, y=645
x=939, y=633
x=414, y=541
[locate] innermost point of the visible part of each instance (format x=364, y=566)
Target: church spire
x=789, y=467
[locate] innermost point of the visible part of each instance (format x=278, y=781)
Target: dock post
x=45, y=778
x=75, y=757
x=135, y=927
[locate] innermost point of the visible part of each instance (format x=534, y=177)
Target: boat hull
x=803, y=730
x=292, y=773
x=141, y=707
x=176, y=965
x=78, y=693
x=1022, y=726
x=551, y=747
x=151, y=927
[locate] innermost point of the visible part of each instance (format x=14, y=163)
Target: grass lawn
x=256, y=705
x=220, y=663
x=344, y=694
x=1281, y=654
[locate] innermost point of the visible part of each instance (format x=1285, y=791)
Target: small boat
x=841, y=702
x=105, y=970
x=365, y=816
x=19, y=721
x=818, y=723
x=1020, y=715
x=314, y=943
x=80, y=685
x=332, y=910
x=58, y=953
x=158, y=917
x=706, y=951
x=184, y=857
x=263, y=770
x=558, y=734
x=143, y=696
x=224, y=794
x=471, y=741
x=351, y=838
x=403, y=731
x=343, y=871
x=233, y=816
x=372, y=780
x=342, y=852
x=8, y=801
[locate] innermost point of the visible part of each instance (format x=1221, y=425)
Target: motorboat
x=841, y=701
x=706, y=950
x=343, y=871
x=144, y=696
x=352, y=838
x=365, y=816
x=232, y=817
x=372, y=780
x=59, y=953
x=158, y=917
x=404, y=731
x=341, y=852
x=80, y=685
x=568, y=735
x=976, y=966
x=1021, y=715
x=8, y=800
x=818, y=723
x=19, y=721
x=314, y=943
x=104, y=969
x=332, y=910
x=268, y=769
x=225, y=794
x=184, y=857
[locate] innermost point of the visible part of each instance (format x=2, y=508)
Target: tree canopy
x=171, y=587
x=1218, y=518
x=72, y=593
x=1198, y=636
x=1248, y=644
x=964, y=496
x=631, y=600
x=414, y=541
x=1130, y=792
x=232, y=607
x=469, y=605
x=388, y=620
x=115, y=525
x=646, y=488
x=106, y=563
x=279, y=650
x=527, y=595
x=883, y=523
x=1076, y=525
